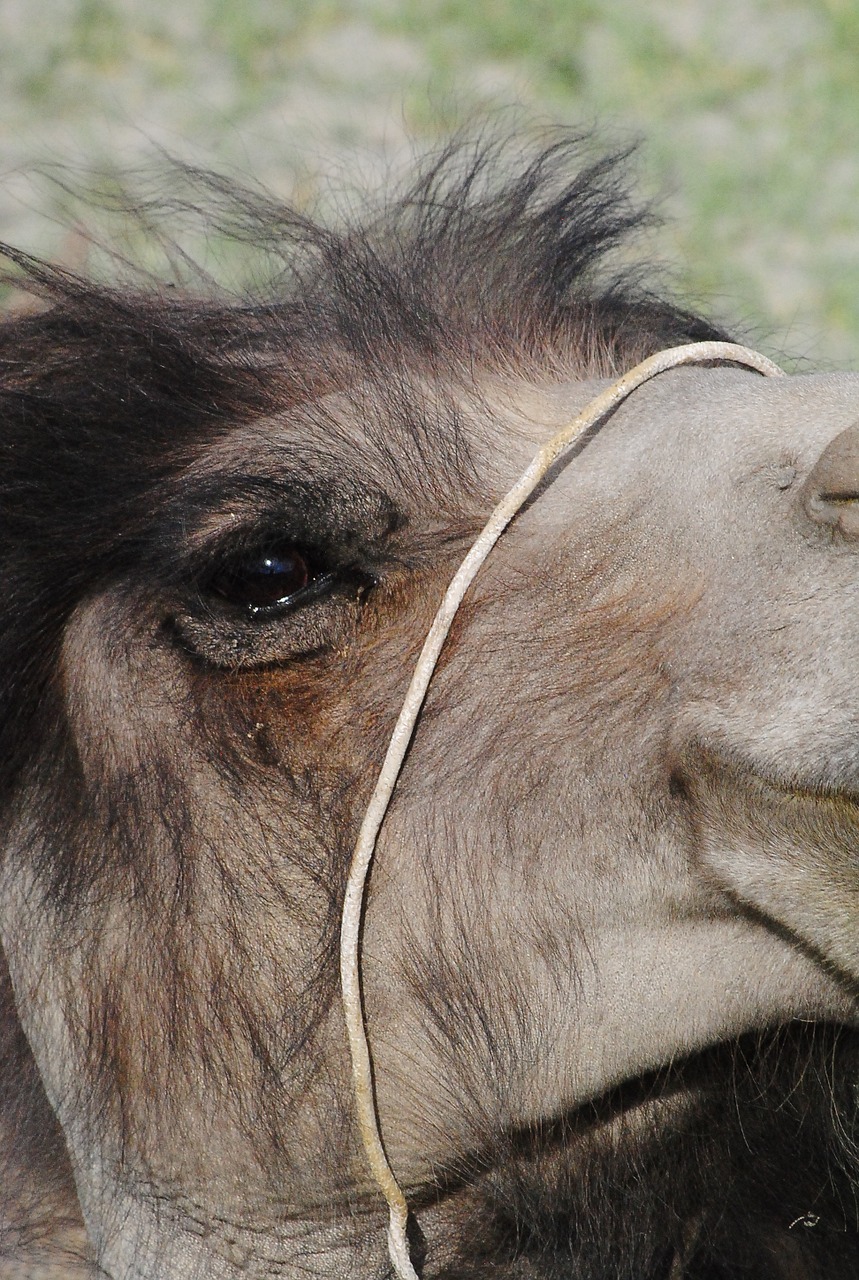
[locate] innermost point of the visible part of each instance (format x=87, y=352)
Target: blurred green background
x=748, y=111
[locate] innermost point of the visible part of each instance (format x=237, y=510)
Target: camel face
x=610, y=953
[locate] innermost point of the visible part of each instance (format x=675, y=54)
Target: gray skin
x=626, y=829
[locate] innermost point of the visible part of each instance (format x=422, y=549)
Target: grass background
x=748, y=111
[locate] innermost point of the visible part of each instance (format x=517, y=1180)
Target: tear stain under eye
x=353, y=905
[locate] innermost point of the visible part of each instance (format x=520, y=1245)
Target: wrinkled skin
x=625, y=837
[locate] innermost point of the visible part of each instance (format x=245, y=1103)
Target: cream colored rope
x=350, y=931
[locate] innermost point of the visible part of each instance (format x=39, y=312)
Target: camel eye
x=264, y=595
x=268, y=581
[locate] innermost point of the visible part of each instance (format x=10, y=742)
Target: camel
x=609, y=936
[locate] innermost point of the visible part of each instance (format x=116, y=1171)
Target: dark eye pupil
x=263, y=580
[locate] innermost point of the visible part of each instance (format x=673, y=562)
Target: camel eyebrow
x=223, y=518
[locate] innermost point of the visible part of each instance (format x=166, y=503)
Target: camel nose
x=831, y=492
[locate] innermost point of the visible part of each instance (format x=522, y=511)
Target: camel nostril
x=831, y=492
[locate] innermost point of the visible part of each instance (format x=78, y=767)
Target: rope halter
x=350, y=929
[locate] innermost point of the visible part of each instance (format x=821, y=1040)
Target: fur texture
x=183, y=771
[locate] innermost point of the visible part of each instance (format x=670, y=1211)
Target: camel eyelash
x=270, y=600
x=268, y=583
x=279, y=574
